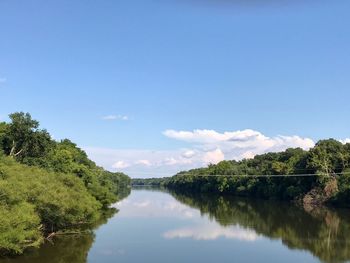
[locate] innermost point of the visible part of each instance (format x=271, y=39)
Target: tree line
x=47, y=186
x=147, y=181
x=320, y=175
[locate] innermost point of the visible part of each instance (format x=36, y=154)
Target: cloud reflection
x=153, y=206
x=212, y=231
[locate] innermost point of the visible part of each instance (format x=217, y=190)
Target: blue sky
x=202, y=67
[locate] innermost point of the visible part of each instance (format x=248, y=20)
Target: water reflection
x=154, y=226
x=212, y=231
x=147, y=204
x=67, y=249
x=321, y=231
x=63, y=250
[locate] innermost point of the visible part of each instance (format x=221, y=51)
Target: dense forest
x=47, y=187
x=148, y=181
x=320, y=175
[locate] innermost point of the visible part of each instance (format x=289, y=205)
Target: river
x=158, y=226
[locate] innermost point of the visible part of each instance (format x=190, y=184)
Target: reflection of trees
x=64, y=249
x=149, y=188
x=123, y=192
x=67, y=248
x=321, y=231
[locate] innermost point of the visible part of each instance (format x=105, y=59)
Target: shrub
x=19, y=228
x=31, y=196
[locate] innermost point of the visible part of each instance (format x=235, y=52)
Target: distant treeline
x=148, y=181
x=322, y=174
x=317, y=176
x=48, y=186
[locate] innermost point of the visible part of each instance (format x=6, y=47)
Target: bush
x=19, y=228
x=31, y=196
x=343, y=195
x=47, y=186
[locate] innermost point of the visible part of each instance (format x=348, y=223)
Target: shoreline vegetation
x=320, y=176
x=48, y=187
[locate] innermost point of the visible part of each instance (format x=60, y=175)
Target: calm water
x=155, y=226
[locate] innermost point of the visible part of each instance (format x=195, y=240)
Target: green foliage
x=149, y=181
x=3, y=130
x=61, y=201
x=47, y=186
x=19, y=228
x=327, y=158
x=343, y=196
x=23, y=140
x=66, y=157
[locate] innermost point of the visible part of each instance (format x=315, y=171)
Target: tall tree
x=23, y=138
x=328, y=157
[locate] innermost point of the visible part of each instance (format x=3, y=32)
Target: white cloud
x=204, y=147
x=140, y=163
x=214, y=157
x=170, y=161
x=345, y=141
x=238, y=144
x=120, y=165
x=115, y=117
x=188, y=154
x=199, y=136
x=144, y=162
x=248, y=155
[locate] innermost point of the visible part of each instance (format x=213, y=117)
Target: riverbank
x=320, y=176
x=198, y=227
x=48, y=187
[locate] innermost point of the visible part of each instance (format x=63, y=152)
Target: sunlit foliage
x=47, y=186
x=327, y=162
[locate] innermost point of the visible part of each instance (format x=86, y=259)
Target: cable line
x=261, y=175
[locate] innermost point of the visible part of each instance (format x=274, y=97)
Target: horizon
x=150, y=88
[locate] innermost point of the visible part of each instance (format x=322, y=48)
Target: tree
x=20, y=131
x=3, y=128
x=59, y=188
x=328, y=157
x=23, y=138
